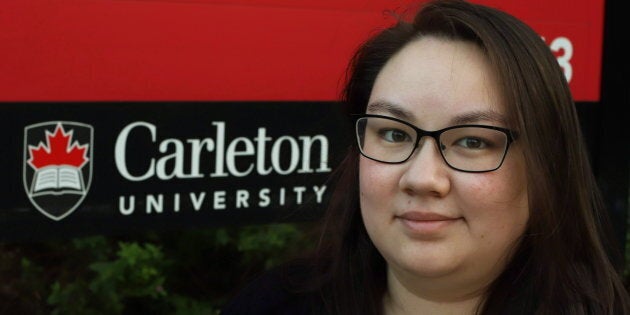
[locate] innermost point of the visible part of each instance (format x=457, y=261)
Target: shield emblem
x=57, y=166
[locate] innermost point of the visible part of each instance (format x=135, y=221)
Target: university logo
x=57, y=166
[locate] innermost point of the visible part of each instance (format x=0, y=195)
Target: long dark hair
x=560, y=265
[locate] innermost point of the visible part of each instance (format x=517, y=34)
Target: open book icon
x=57, y=179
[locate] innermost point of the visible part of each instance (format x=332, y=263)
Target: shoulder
x=278, y=291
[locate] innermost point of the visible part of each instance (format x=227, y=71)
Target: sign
x=77, y=168
x=57, y=166
x=238, y=50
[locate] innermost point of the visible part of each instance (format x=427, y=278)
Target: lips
x=426, y=223
x=425, y=216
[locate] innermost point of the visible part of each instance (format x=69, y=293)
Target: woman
x=468, y=191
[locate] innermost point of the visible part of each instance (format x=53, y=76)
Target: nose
x=426, y=171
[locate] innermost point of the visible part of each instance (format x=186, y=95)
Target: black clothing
x=276, y=292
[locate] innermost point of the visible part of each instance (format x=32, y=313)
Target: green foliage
x=183, y=273
x=135, y=271
x=185, y=306
x=262, y=243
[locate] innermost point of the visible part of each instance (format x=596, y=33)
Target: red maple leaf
x=58, y=151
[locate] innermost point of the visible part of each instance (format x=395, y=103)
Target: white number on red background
x=563, y=45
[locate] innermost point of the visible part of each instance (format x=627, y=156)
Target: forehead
x=436, y=81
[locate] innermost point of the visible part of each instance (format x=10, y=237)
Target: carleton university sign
x=87, y=168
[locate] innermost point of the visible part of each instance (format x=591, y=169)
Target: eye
x=472, y=143
x=394, y=135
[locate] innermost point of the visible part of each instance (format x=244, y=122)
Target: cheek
x=377, y=187
x=489, y=189
x=496, y=202
x=506, y=185
x=373, y=178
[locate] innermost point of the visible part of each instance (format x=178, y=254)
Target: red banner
x=244, y=50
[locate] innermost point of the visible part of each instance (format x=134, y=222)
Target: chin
x=429, y=267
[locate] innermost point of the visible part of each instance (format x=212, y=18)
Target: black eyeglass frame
x=511, y=136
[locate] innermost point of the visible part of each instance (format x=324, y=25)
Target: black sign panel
x=118, y=167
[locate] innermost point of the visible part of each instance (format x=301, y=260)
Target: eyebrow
x=462, y=119
x=477, y=116
x=392, y=109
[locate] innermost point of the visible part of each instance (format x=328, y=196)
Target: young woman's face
x=442, y=230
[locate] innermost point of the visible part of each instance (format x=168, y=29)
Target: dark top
x=275, y=292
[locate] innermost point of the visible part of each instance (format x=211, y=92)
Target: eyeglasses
x=466, y=148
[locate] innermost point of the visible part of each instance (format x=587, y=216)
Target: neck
x=406, y=295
